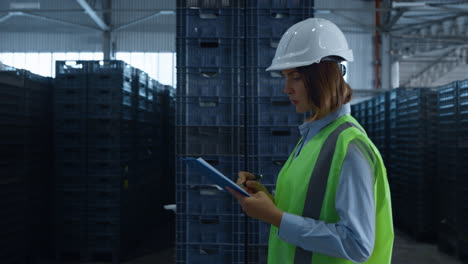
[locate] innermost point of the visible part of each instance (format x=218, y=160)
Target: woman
x=332, y=201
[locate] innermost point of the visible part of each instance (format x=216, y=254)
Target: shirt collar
x=315, y=126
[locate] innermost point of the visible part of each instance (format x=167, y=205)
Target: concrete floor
x=406, y=251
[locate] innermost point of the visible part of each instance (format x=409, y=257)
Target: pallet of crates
x=38, y=163
x=13, y=131
x=272, y=119
x=70, y=163
x=391, y=119
x=447, y=140
x=379, y=126
x=207, y=126
x=415, y=163
x=111, y=155
x=462, y=177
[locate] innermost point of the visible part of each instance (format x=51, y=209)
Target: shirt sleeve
x=351, y=238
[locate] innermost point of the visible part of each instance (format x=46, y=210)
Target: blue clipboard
x=205, y=169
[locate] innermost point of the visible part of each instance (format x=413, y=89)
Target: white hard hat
x=308, y=42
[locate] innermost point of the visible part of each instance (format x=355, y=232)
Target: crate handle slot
x=278, y=15
x=209, y=15
x=209, y=251
x=280, y=133
x=209, y=44
x=280, y=102
x=209, y=74
x=208, y=103
x=209, y=221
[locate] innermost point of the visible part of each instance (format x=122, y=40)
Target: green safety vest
x=307, y=186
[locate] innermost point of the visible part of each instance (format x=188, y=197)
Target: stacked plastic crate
x=208, y=125
x=462, y=177
x=414, y=173
x=451, y=181
x=380, y=129
x=106, y=141
x=213, y=119
x=26, y=158
x=272, y=120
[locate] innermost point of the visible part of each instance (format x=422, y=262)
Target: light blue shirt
x=353, y=236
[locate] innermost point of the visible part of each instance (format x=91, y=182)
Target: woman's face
x=295, y=89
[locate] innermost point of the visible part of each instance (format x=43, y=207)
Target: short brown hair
x=326, y=88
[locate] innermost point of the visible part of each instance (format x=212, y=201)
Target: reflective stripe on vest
x=318, y=185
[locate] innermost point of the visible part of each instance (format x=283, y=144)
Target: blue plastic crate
x=269, y=167
x=207, y=141
x=228, y=165
x=274, y=111
x=209, y=82
x=264, y=51
x=69, y=110
x=206, y=199
x=208, y=111
x=71, y=68
x=110, y=67
x=213, y=52
x=109, y=111
x=211, y=23
x=268, y=84
x=208, y=253
x=274, y=141
x=209, y=229
x=105, y=167
x=273, y=23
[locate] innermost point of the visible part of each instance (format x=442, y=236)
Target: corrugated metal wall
x=360, y=37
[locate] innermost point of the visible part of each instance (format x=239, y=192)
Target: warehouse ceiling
x=429, y=38
x=430, y=41
x=53, y=15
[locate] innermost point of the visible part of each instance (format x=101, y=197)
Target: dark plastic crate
x=264, y=51
x=269, y=84
x=210, y=229
x=274, y=141
x=209, y=82
x=208, y=111
x=273, y=23
x=274, y=111
x=269, y=167
x=202, y=141
x=71, y=68
x=228, y=165
x=208, y=253
x=212, y=52
x=209, y=23
x=206, y=199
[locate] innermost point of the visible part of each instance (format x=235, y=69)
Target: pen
x=258, y=177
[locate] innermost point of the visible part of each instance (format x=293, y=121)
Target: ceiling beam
x=45, y=18
x=437, y=69
x=160, y=13
x=89, y=10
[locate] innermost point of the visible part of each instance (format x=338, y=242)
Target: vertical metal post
x=107, y=46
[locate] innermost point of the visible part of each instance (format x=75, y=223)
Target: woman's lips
x=294, y=101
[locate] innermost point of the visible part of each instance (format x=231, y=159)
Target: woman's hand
x=252, y=186
x=259, y=206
